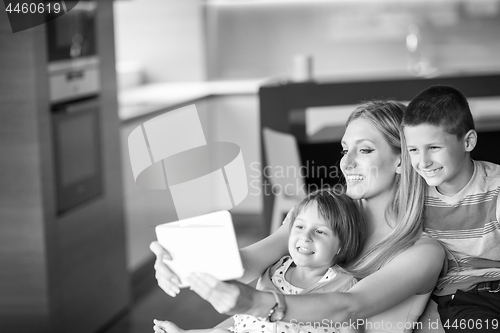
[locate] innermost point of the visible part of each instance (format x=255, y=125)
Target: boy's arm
x=498, y=208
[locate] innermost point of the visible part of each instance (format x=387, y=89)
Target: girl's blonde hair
x=343, y=216
x=404, y=212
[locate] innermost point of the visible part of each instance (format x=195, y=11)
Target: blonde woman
x=398, y=265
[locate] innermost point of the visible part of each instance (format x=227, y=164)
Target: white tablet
x=205, y=243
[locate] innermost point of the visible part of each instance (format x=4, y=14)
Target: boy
x=461, y=207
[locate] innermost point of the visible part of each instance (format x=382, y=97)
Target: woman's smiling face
x=369, y=164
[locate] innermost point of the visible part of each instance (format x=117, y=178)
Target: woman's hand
x=167, y=280
x=226, y=297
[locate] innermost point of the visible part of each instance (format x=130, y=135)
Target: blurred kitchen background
x=75, y=228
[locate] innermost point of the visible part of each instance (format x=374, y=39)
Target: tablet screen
x=205, y=243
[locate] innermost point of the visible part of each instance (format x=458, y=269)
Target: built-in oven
x=77, y=152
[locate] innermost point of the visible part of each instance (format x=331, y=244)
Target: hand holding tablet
x=205, y=243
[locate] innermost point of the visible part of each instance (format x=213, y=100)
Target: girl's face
x=369, y=165
x=312, y=243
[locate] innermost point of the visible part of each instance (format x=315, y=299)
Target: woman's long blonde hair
x=404, y=212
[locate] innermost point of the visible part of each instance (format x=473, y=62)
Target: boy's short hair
x=442, y=106
x=343, y=216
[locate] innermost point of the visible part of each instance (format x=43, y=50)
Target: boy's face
x=439, y=157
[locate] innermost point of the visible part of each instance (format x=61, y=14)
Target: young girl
x=327, y=229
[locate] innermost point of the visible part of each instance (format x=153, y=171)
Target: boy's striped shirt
x=467, y=225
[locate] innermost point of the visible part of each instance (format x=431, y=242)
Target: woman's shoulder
x=426, y=248
x=427, y=243
x=420, y=264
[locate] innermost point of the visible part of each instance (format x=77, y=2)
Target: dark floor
x=187, y=310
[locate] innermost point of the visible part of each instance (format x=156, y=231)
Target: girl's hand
x=226, y=297
x=167, y=280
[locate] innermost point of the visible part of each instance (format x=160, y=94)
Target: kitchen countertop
x=161, y=97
